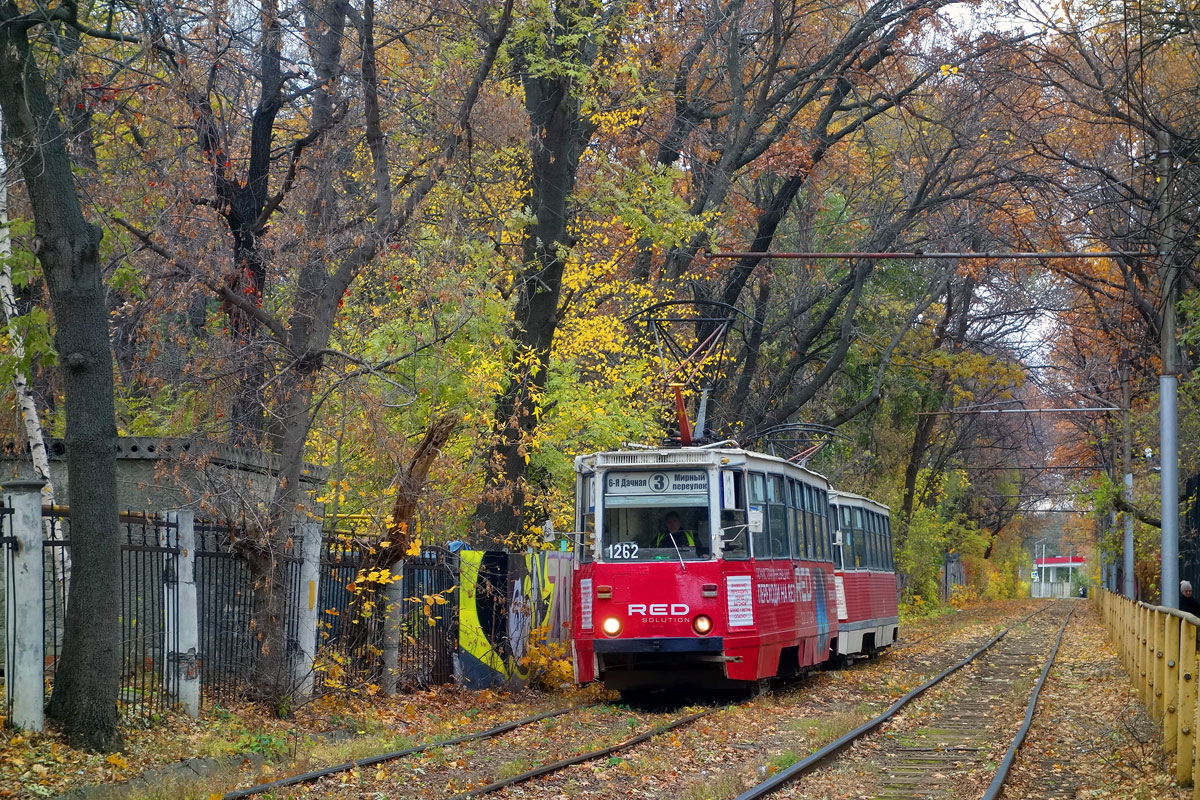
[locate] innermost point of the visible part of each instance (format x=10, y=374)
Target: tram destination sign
x=664, y=482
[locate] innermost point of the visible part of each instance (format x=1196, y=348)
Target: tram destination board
x=672, y=482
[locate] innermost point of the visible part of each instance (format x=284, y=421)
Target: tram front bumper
x=661, y=644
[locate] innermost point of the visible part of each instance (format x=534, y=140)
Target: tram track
x=571, y=780
x=370, y=761
x=562, y=764
x=938, y=758
x=450, y=752
x=487, y=770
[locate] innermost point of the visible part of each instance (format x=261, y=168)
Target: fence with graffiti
x=503, y=599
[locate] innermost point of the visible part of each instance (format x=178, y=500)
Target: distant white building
x=1053, y=575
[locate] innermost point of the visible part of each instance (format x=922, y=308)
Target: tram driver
x=673, y=535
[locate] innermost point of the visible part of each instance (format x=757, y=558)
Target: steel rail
x=546, y=769
x=919, y=254
x=781, y=779
x=369, y=761
x=997, y=784
x=900, y=645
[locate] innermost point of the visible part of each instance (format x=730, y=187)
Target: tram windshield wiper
x=674, y=544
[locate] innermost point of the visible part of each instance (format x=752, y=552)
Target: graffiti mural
x=550, y=582
x=503, y=599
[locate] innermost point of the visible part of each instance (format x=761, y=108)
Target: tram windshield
x=652, y=533
x=656, y=516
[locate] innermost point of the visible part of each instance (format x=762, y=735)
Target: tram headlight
x=611, y=626
x=702, y=624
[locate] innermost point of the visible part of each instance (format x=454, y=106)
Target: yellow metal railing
x=1157, y=647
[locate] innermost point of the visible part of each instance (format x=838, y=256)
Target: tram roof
x=837, y=494
x=684, y=457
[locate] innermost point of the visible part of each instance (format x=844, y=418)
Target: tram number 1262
x=622, y=551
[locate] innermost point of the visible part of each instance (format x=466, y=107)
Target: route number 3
x=622, y=550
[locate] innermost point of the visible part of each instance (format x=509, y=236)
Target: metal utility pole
x=1168, y=384
x=1127, y=489
x=1034, y=588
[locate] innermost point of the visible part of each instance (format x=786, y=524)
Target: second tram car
x=700, y=567
x=865, y=575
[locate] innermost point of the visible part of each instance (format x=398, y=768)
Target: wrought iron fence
x=350, y=623
x=224, y=591
x=292, y=563
x=427, y=629
x=56, y=566
x=351, y=630
x=354, y=616
x=148, y=593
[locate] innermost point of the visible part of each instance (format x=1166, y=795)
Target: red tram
x=701, y=567
x=865, y=574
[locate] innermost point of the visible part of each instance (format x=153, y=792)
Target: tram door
x=585, y=515
x=837, y=538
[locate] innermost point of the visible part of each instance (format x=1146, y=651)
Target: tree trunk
x=915, y=456
x=35, y=436
x=30, y=419
x=86, y=684
x=559, y=133
x=274, y=684
x=370, y=597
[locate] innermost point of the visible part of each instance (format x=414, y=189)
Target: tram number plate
x=622, y=551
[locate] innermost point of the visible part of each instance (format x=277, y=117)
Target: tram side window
x=831, y=521
x=876, y=540
x=802, y=521
x=760, y=536
x=869, y=549
x=778, y=517
x=847, y=538
x=891, y=555
x=795, y=520
x=819, y=521
x=806, y=517
x=885, y=546
x=780, y=539
x=805, y=522
x=860, y=541
x=810, y=516
x=883, y=542
x=815, y=521
x=872, y=541
x=734, y=532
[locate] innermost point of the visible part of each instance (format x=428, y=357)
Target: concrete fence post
x=394, y=598
x=182, y=667
x=307, y=611
x=23, y=623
